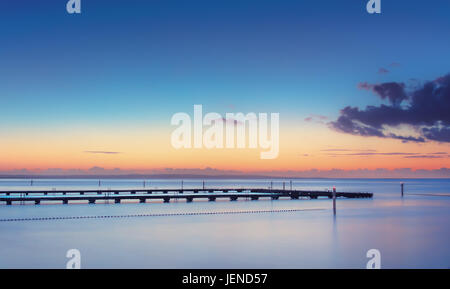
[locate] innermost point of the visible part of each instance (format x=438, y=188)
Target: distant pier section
x=93, y=196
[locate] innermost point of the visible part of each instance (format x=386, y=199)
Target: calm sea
x=409, y=232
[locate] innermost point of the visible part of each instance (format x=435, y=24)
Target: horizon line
x=195, y=176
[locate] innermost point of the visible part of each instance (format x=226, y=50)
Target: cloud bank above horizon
x=212, y=172
x=424, y=109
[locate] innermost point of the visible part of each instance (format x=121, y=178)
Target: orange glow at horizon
x=304, y=147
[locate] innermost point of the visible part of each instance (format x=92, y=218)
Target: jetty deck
x=166, y=195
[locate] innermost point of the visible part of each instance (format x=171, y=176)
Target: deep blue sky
x=138, y=62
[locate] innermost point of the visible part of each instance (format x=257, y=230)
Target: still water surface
x=410, y=232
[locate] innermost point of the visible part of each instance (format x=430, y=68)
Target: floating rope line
x=159, y=215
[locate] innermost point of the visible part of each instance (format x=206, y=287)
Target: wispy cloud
x=377, y=154
x=425, y=157
x=433, y=155
x=346, y=150
x=316, y=118
x=394, y=64
x=229, y=121
x=214, y=173
x=102, y=152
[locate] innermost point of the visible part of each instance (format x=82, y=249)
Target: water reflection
x=410, y=232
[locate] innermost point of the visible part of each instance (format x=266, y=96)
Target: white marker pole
x=334, y=200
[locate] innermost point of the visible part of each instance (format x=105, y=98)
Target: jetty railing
x=166, y=195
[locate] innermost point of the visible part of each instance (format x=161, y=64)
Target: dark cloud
x=392, y=91
x=426, y=109
x=438, y=134
x=406, y=138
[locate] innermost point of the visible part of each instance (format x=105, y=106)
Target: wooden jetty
x=165, y=195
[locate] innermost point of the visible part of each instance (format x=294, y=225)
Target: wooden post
x=290, y=182
x=401, y=186
x=283, y=186
x=334, y=200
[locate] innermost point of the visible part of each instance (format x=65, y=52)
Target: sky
x=354, y=90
